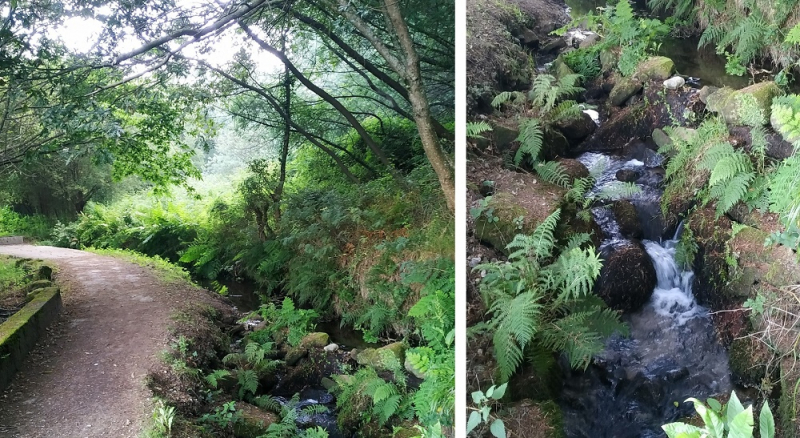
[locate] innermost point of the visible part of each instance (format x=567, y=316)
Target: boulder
x=706, y=91
x=627, y=175
x=381, y=358
x=503, y=137
x=309, y=341
x=674, y=83
x=608, y=60
x=627, y=278
x=727, y=101
x=623, y=90
x=573, y=168
x=554, y=45
x=516, y=208
x=777, y=147
x=44, y=272
x=661, y=138
x=561, y=69
x=627, y=219
x=577, y=128
x=529, y=39
x=253, y=422
x=554, y=144
x=758, y=265
x=656, y=68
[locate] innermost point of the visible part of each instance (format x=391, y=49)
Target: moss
x=727, y=101
x=656, y=68
x=623, y=90
x=756, y=263
x=508, y=214
x=377, y=358
x=748, y=358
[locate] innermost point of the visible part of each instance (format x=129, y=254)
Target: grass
x=166, y=271
x=14, y=224
x=15, y=275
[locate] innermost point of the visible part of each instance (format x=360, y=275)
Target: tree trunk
x=416, y=94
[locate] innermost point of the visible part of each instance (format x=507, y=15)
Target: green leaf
x=714, y=424
x=681, y=430
x=474, y=421
x=766, y=422
x=490, y=391
x=478, y=397
x=714, y=404
x=742, y=424
x=500, y=391
x=485, y=413
x=498, y=429
x=734, y=408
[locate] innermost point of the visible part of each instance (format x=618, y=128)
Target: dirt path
x=86, y=378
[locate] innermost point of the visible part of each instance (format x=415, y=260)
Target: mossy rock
x=627, y=219
x=748, y=358
x=727, y=101
x=627, y=278
x=573, y=168
x=560, y=68
x=253, y=422
x=757, y=264
x=661, y=138
x=624, y=89
x=380, y=358
x=45, y=272
x=608, y=59
x=656, y=68
x=507, y=214
x=503, y=137
x=315, y=340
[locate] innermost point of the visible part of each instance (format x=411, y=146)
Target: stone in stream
x=655, y=68
x=309, y=341
x=627, y=278
x=627, y=175
x=623, y=90
x=674, y=83
x=627, y=219
x=577, y=128
x=379, y=358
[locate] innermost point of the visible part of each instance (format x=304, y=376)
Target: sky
x=79, y=34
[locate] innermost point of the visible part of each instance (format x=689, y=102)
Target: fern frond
x=733, y=191
x=729, y=166
x=530, y=139
x=565, y=110
x=554, y=173
x=512, y=97
x=576, y=270
x=475, y=129
x=793, y=37
x=619, y=190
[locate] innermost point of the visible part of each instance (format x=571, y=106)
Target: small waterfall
x=672, y=296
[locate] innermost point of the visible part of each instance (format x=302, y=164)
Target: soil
x=86, y=378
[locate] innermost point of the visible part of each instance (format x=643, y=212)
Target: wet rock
x=379, y=358
x=623, y=90
x=309, y=341
x=554, y=144
x=573, y=168
x=529, y=39
x=639, y=121
x=253, y=422
x=776, y=148
x=627, y=219
x=627, y=278
x=331, y=347
x=748, y=360
x=656, y=68
x=576, y=129
x=627, y=175
x=674, y=83
x=727, y=101
x=554, y=46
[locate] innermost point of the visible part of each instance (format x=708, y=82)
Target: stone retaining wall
x=11, y=240
x=19, y=334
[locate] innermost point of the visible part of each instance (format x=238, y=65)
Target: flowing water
x=640, y=382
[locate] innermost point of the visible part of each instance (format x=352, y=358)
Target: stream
x=640, y=382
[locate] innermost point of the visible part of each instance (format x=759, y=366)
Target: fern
x=475, y=129
x=248, y=382
x=531, y=295
x=530, y=139
x=786, y=116
x=214, y=377
x=513, y=97
x=554, y=173
x=793, y=37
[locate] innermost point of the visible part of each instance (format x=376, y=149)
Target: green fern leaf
x=530, y=139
